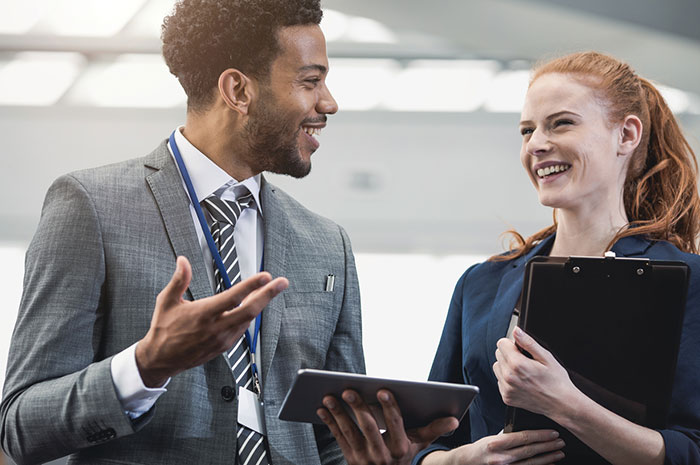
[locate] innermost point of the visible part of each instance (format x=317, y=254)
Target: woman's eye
x=562, y=122
x=525, y=131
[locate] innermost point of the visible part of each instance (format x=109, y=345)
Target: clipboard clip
x=610, y=254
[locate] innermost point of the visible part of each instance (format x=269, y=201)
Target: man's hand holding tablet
x=363, y=443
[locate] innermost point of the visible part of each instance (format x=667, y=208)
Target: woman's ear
x=236, y=90
x=630, y=135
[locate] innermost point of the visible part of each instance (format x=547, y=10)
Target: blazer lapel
x=174, y=205
x=275, y=242
x=507, y=297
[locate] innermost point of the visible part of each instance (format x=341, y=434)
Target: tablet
x=420, y=401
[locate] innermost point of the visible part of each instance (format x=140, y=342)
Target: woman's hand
x=539, y=447
x=540, y=385
x=362, y=443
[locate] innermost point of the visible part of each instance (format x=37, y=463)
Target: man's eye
x=312, y=81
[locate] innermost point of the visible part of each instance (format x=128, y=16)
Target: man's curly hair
x=202, y=38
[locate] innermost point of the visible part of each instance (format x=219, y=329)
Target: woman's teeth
x=544, y=172
x=312, y=131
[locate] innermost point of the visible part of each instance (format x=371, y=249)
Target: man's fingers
x=397, y=440
x=365, y=420
x=232, y=297
x=330, y=422
x=345, y=424
x=172, y=293
x=254, y=303
x=435, y=429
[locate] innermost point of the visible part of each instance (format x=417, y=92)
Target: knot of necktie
x=227, y=211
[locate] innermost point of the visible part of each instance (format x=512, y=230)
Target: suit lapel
x=172, y=200
x=507, y=297
x=275, y=236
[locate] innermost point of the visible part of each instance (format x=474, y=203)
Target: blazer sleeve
x=448, y=367
x=58, y=396
x=682, y=437
x=345, y=351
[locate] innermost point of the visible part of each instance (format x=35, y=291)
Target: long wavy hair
x=660, y=193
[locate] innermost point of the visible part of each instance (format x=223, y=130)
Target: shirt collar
x=208, y=178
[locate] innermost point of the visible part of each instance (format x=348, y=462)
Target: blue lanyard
x=252, y=344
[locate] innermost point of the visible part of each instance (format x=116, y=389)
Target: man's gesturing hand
x=186, y=334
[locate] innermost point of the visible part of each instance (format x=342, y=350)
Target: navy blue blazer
x=479, y=314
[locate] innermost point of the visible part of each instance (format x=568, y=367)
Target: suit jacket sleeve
x=345, y=351
x=58, y=394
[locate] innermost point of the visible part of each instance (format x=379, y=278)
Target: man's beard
x=273, y=141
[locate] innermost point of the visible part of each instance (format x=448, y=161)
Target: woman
x=602, y=148
x=604, y=151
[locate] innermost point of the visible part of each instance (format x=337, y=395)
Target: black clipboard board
x=615, y=325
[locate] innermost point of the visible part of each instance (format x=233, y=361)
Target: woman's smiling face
x=569, y=147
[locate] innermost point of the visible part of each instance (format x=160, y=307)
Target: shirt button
x=227, y=393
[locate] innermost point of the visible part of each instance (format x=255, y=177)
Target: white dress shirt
x=207, y=179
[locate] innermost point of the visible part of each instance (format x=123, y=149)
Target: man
x=116, y=358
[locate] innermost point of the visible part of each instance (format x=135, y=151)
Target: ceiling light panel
x=38, y=79
x=18, y=17
x=441, y=85
x=334, y=24
x=148, y=20
x=93, y=18
x=677, y=100
x=132, y=80
x=339, y=26
x=360, y=84
x=506, y=92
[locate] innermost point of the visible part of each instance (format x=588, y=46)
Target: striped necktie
x=252, y=446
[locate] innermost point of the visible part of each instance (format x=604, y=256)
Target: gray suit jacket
x=105, y=246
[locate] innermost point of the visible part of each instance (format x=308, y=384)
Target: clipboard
x=420, y=401
x=615, y=325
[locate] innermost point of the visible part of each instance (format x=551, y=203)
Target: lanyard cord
x=252, y=344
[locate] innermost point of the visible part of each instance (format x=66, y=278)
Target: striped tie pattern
x=223, y=214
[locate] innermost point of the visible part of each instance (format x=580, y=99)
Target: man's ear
x=630, y=135
x=236, y=90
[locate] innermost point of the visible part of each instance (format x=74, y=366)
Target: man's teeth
x=542, y=172
x=312, y=131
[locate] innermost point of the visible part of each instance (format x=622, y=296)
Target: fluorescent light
x=338, y=26
x=18, y=17
x=99, y=18
x=441, y=85
x=34, y=78
x=148, y=21
x=334, y=24
x=359, y=84
x=507, y=92
x=132, y=80
x=369, y=30
x=678, y=101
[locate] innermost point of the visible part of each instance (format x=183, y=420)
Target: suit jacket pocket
x=314, y=299
x=308, y=324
